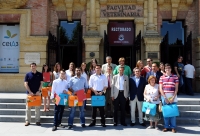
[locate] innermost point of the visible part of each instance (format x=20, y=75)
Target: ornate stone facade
x=38, y=17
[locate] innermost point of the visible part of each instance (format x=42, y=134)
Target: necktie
x=108, y=81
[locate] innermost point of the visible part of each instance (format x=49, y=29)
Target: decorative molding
x=174, y=6
x=12, y=4
x=103, y=2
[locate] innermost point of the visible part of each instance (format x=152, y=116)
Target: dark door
x=52, y=51
x=119, y=51
x=70, y=43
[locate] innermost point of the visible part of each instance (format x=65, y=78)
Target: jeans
x=189, y=85
x=181, y=84
x=72, y=112
x=58, y=113
x=169, y=122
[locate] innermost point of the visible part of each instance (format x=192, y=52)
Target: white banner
x=9, y=48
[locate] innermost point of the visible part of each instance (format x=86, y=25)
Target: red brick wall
x=10, y=18
x=39, y=17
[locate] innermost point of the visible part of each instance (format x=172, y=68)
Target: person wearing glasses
x=168, y=85
x=179, y=71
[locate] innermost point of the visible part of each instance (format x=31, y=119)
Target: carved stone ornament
x=12, y=4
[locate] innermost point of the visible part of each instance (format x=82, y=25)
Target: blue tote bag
x=98, y=100
x=63, y=99
x=170, y=110
x=151, y=106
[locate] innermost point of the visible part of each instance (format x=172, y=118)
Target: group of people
x=121, y=86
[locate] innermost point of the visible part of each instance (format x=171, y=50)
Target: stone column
x=152, y=45
x=92, y=26
x=92, y=38
x=152, y=39
x=151, y=28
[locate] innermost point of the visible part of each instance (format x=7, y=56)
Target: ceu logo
x=121, y=37
x=9, y=35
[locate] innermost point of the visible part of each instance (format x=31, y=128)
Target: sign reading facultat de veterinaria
x=121, y=11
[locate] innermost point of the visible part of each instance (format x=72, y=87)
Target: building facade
x=78, y=30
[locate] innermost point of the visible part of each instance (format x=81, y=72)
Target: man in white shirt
x=119, y=95
x=109, y=63
x=59, y=86
x=98, y=83
x=189, y=75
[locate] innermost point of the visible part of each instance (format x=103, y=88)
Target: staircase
x=12, y=109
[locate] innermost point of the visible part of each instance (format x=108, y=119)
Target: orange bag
x=88, y=94
x=34, y=100
x=46, y=91
x=73, y=101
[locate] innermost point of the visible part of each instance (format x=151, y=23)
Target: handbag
x=170, y=110
x=73, y=101
x=98, y=100
x=151, y=106
x=160, y=107
x=63, y=99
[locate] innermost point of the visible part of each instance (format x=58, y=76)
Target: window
x=69, y=32
x=175, y=30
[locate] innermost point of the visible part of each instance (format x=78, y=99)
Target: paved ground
x=18, y=129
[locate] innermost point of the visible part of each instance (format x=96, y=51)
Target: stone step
x=189, y=102
x=88, y=113
x=23, y=106
x=190, y=114
x=189, y=107
x=49, y=119
x=13, y=100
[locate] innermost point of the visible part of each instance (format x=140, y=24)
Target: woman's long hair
x=91, y=66
x=55, y=67
x=43, y=70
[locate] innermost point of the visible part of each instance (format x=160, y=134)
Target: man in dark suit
x=155, y=72
x=136, y=87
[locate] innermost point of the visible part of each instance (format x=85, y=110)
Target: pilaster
x=152, y=45
x=92, y=46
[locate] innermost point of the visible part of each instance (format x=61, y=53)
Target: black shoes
x=132, y=124
x=61, y=126
x=83, y=126
x=54, y=128
x=103, y=125
x=92, y=124
x=142, y=124
x=124, y=124
x=115, y=124
x=38, y=124
x=69, y=127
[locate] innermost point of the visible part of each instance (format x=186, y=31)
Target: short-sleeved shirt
x=98, y=82
x=127, y=70
x=180, y=67
x=189, y=71
x=168, y=83
x=77, y=83
x=34, y=81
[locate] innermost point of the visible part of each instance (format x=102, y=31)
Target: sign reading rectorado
x=121, y=11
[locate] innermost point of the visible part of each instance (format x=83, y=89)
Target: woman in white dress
x=151, y=94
